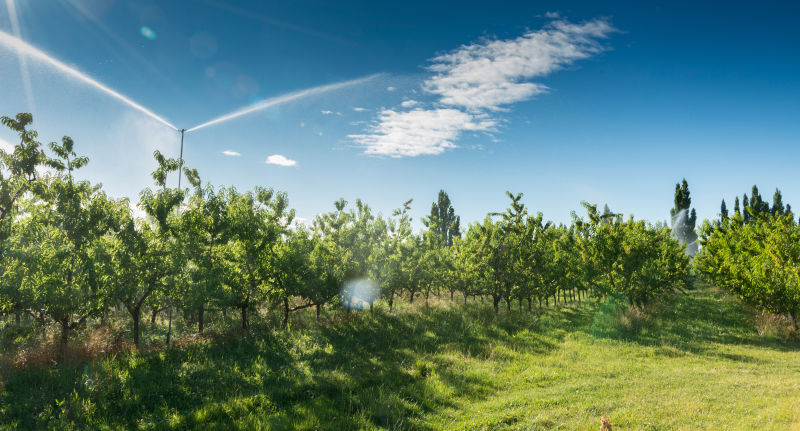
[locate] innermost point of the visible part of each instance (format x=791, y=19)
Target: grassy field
x=691, y=364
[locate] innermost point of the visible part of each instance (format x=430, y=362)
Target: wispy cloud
x=231, y=153
x=359, y=109
x=494, y=73
x=477, y=80
x=418, y=132
x=552, y=15
x=326, y=112
x=277, y=159
x=390, y=88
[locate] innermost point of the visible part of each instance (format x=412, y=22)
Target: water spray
x=278, y=100
x=21, y=47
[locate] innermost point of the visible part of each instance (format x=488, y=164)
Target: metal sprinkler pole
x=180, y=168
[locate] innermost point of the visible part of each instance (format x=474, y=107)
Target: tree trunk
x=317, y=306
x=411, y=297
x=496, y=304
x=508, y=304
x=136, y=316
x=371, y=307
x=62, y=345
x=153, y=316
x=17, y=315
x=243, y=308
x=529, y=304
x=285, y=313
x=391, y=302
x=794, y=322
x=451, y=295
x=200, y=319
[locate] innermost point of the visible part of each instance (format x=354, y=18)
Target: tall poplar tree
x=443, y=219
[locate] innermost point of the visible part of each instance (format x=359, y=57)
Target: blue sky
x=610, y=102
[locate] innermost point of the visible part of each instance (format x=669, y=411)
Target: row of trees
x=750, y=208
x=756, y=257
x=69, y=253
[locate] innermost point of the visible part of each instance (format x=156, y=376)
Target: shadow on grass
x=380, y=371
x=700, y=321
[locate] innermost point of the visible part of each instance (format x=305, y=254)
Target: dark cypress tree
x=757, y=204
x=444, y=220
x=745, y=207
x=788, y=209
x=736, y=209
x=723, y=210
x=777, y=203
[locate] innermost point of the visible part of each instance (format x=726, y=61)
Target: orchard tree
x=161, y=206
x=204, y=231
x=18, y=177
x=759, y=261
x=63, y=247
x=258, y=221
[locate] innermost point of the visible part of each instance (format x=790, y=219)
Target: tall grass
x=694, y=362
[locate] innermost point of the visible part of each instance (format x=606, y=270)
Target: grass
x=696, y=362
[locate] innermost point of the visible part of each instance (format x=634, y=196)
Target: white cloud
x=359, y=109
x=478, y=79
x=552, y=15
x=419, y=132
x=490, y=74
x=390, y=88
x=277, y=159
x=231, y=153
x=326, y=112
x=5, y=146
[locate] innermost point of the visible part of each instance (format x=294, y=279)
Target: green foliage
x=77, y=254
x=758, y=260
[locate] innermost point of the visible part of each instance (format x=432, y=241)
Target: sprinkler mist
x=278, y=100
x=23, y=48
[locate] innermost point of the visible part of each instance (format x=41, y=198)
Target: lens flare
x=359, y=294
x=147, y=32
